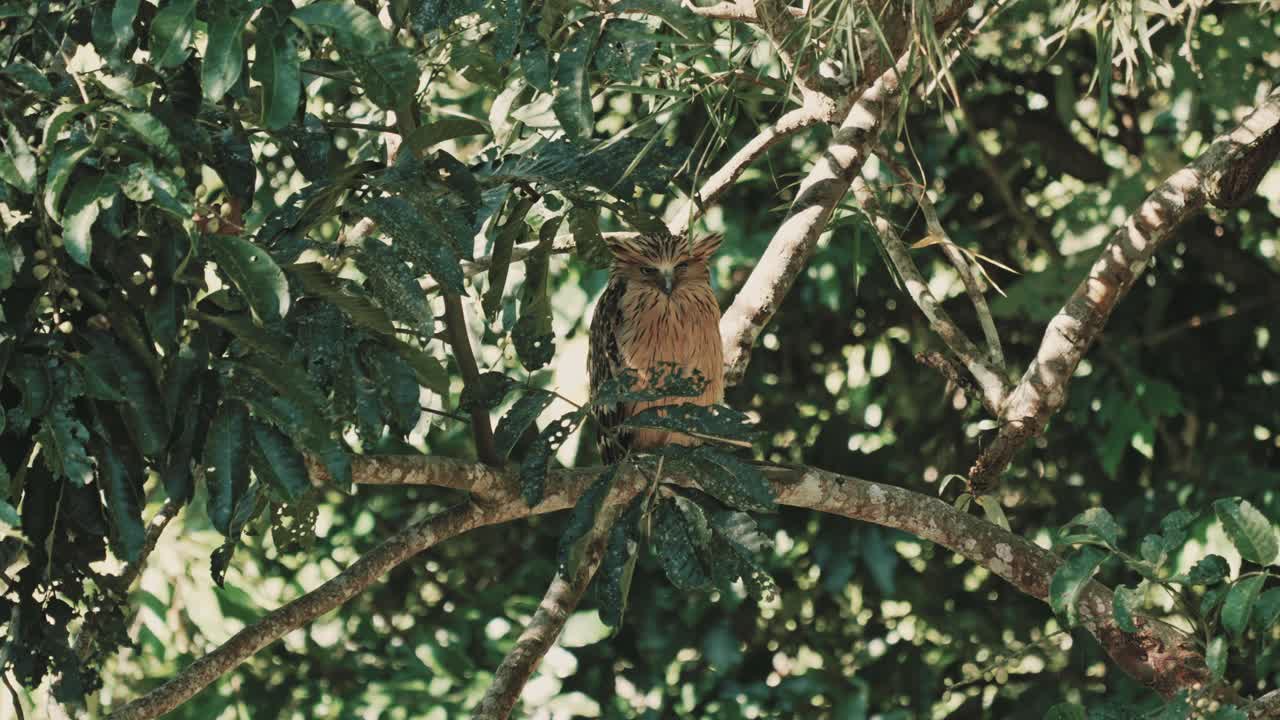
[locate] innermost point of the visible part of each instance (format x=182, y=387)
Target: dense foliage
x=219, y=281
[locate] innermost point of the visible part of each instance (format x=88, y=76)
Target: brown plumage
x=658, y=308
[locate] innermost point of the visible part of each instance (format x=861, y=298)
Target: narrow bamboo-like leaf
x=171, y=31
x=254, y=273
x=518, y=419
x=224, y=54
x=277, y=67
x=1238, y=604
x=283, y=465
x=226, y=463
x=1249, y=530
x=1070, y=580
x=572, y=103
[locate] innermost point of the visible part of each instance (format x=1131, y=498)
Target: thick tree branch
x=992, y=384
x=481, y=428
x=1232, y=165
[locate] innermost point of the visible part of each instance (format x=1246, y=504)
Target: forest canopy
x=294, y=310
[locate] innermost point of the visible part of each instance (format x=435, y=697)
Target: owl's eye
x=682, y=264
x=648, y=270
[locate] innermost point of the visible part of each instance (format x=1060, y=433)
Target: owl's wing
x=604, y=362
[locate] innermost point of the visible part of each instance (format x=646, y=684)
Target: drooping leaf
x=232, y=158
x=254, y=273
x=143, y=413
x=282, y=464
x=1216, y=657
x=733, y=482
x=486, y=392
x=448, y=128
x=224, y=54
x=66, y=155
x=584, y=222
x=151, y=132
x=86, y=200
x=618, y=566
x=511, y=231
x=63, y=437
x=1249, y=530
x=226, y=463
x=123, y=503
x=665, y=380
x=678, y=530
x=353, y=28
x=508, y=20
x=1126, y=602
x=1266, y=611
x=417, y=241
x=711, y=422
x=1070, y=580
x=518, y=419
x=219, y=561
x=533, y=471
x=314, y=280
x=277, y=67
x=572, y=103
x=430, y=373
x=171, y=31
x=574, y=539
x=392, y=284
x=1237, y=606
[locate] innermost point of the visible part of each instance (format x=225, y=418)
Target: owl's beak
x=667, y=281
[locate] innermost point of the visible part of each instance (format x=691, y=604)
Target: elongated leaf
x=143, y=413
x=150, y=131
x=389, y=75
x=171, y=31
x=665, y=380
x=512, y=230
x=431, y=134
x=393, y=285
x=731, y=481
x=1126, y=602
x=703, y=421
x=1266, y=611
x=533, y=471
x=282, y=463
x=86, y=200
x=28, y=75
x=678, y=530
x=1238, y=604
x=584, y=222
x=430, y=372
x=314, y=280
x=572, y=103
x=1249, y=530
x=1070, y=580
x=518, y=419
x=226, y=463
x=224, y=54
x=573, y=541
x=352, y=27
x=1216, y=657
x=618, y=567
x=1100, y=523
x=277, y=68
x=508, y=18
x=486, y=392
x=417, y=241
x=254, y=273
x=123, y=502
x=66, y=155
x=63, y=437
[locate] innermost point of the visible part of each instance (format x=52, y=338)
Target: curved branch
x=1214, y=177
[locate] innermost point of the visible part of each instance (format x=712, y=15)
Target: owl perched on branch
x=658, y=308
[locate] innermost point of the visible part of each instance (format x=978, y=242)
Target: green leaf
x=393, y=285
x=18, y=163
x=417, y=241
x=224, y=55
x=226, y=463
x=1216, y=657
x=448, y=128
x=584, y=222
x=171, y=31
x=1153, y=549
x=518, y=419
x=735, y=552
x=1212, y=598
x=665, y=380
x=508, y=21
x=1238, y=604
x=124, y=504
x=512, y=231
x=1174, y=527
x=572, y=102
x=713, y=422
x=1126, y=602
x=1070, y=580
x=63, y=437
x=731, y=481
x=533, y=471
x=1098, y=522
x=990, y=505
x=277, y=67
x=282, y=463
x=428, y=370
x=85, y=202
x=220, y=560
x=1249, y=530
x=672, y=12
x=1211, y=569
x=254, y=273
x=1066, y=711
x=316, y=281
x=66, y=155
x=1266, y=611
x=150, y=131
x=679, y=528
x=574, y=539
x=143, y=183
x=535, y=343
x=389, y=75
x=28, y=75
x=6, y=274
x=486, y=392
x=352, y=27
x=618, y=567
x=143, y=412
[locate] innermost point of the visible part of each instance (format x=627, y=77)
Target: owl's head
x=663, y=261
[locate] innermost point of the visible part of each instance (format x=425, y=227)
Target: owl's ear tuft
x=705, y=247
